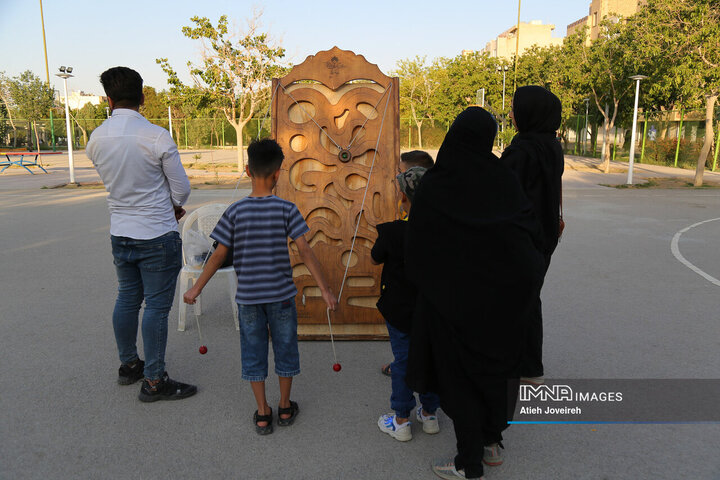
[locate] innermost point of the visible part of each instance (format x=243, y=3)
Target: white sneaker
x=446, y=469
x=429, y=423
x=492, y=456
x=388, y=424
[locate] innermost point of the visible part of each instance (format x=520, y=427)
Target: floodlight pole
x=71, y=163
x=47, y=76
x=170, y=122
x=631, y=159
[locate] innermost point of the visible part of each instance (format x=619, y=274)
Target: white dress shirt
x=140, y=166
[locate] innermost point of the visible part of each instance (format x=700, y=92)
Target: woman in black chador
x=471, y=250
x=536, y=157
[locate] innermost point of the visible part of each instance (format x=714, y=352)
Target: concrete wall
x=533, y=33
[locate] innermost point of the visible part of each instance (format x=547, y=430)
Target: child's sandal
x=267, y=429
x=292, y=410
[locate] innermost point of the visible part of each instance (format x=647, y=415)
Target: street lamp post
x=65, y=74
x=631, y=160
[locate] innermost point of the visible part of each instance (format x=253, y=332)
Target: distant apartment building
x=77, y=100
x=533, y=33
x=600, y=9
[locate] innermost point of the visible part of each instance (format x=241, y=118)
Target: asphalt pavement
x=617, y=303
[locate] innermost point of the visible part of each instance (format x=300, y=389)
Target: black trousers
x=532, y=364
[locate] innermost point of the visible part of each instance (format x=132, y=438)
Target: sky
x=92, y=36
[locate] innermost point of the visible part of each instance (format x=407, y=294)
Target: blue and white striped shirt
x=256, y=229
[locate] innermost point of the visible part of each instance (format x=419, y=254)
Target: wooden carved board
x=329, y=113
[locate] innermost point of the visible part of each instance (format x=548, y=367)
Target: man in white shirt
x=140, y=166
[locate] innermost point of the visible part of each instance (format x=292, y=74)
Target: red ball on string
x=202, y=349
x=337, y=367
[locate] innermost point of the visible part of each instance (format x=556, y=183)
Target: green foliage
x=154, y=105
x=32, y=98
x=418, y=83
x=234, y=74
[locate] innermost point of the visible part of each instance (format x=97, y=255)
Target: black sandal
x=267, y=429
x=292, y=410
x=385, y=370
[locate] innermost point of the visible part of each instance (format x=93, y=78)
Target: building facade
x=532, y=33
x=77, y=100
x=601, y=9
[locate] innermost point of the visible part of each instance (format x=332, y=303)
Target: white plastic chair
x=204, y=220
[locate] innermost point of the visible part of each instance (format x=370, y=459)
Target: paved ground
x=618, y=304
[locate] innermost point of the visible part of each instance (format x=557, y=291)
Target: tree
x=460, y=78
x=235, y=72
x=606, y=68
x=154, y=106
x=32, y=98
x=559, y=69
x=677, y=43
x=6, y=100
x=417, y=91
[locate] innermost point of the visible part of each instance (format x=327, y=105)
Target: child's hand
x=190, y=296
x=179, y=212
x=330, y=299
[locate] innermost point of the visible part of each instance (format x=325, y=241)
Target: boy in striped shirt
x=255, y=229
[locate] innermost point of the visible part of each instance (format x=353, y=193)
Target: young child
x=397, y=303
x=414, y=158
x=256, y=228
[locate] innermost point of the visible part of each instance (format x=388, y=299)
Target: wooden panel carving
x=331, y=115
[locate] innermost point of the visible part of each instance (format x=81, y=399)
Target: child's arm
x=212, y=265
x=311, y=261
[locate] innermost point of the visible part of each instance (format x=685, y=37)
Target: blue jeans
x=402, y=399
x=281, y=320
x=146, y=269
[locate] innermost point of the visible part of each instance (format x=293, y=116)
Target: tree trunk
x=606, y=160
x=419, y=130
x=240, y=158
x=710, y=101
x=605, y=153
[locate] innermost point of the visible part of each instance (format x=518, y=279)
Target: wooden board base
x=346, y=331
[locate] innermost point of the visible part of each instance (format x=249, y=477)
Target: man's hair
x=123, y=85
x=264, y=157
x=417, y=158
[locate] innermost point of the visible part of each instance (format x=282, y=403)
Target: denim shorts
x=280, y=319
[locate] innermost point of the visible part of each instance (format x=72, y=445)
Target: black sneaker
x=165, y=389
x=129, y=373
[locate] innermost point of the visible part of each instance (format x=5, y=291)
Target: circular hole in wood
x=301, y=112
x=298, y=143
x=346, y=257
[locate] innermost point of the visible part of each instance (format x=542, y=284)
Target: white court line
x=676, y=251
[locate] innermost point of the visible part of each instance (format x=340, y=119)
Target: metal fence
x=663, y=138
x=672, y=138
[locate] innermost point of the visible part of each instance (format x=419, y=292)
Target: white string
x=357, y=225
